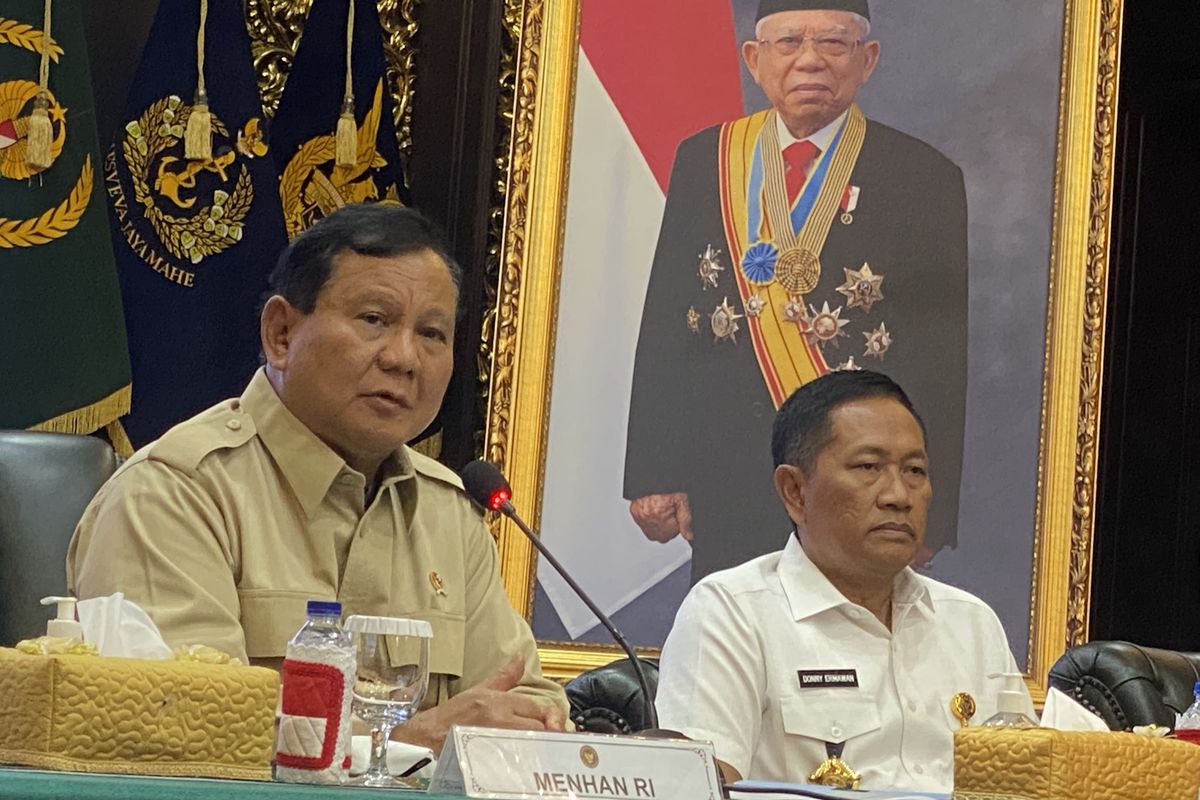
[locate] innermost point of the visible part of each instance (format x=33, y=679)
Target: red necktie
x=798, y=157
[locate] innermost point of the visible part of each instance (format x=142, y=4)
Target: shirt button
x=234, y=424
x=919, y=769
x=835, y=730
x=912, y=706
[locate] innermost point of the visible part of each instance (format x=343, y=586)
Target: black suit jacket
x=700, y=414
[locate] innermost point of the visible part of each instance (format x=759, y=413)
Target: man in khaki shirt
x=303, y=488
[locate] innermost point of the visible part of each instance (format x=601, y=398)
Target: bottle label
x=310, y=715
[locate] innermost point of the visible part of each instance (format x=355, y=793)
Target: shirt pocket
x=270, y=618
x=448, y=645
x=835, y=716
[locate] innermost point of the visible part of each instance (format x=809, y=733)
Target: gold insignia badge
x=16, y=103
x=589, y=756
x=165, y=184
x=878, y=342
x=754, y=305
x=833, y=772
x=693, y=320
x=439, y=587
x=962, y=706
x=862, y=287
x=825, y=326
x=710, y=268
x=724, y=322
x=798, y=270
x=17, y=99
x=313, y=186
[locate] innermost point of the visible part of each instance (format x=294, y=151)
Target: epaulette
x=222, y=427
x=431, y=468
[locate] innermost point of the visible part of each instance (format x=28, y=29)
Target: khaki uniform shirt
x=224, y=528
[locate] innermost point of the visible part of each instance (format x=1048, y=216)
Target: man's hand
x=662, y=517
x=489, y=704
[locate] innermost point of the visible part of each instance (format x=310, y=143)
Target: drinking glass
x=392, y=657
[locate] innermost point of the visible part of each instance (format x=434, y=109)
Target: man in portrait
x=796, y=241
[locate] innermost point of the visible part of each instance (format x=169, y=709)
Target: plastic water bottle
x=1190, y=719
x=313, y=741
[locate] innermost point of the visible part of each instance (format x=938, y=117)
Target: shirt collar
x=308, y=464
x=822, y=138
x=809, y=592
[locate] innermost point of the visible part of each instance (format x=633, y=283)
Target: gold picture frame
x=522, y=341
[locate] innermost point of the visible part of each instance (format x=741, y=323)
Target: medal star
x=710, y=268
x=754, y=305
x=693, y=320
x=793, y=311
x=58, y=113
x=878, y=342
x=724, y=322
x=848, y=366
x=862, y=287
x=825, y=326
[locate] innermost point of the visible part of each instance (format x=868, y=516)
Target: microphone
x=486, y=485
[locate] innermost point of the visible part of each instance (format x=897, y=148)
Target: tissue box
x=1044, y=764
x=94, y=714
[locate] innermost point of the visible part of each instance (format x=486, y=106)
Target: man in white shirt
x=834, y=648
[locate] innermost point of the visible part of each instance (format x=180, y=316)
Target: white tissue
x=400, y=756
x=120, y=628
x=1064, y=714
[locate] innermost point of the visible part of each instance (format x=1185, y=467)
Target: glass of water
x=392, y=657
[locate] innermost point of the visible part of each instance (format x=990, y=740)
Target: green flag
x=62, y=333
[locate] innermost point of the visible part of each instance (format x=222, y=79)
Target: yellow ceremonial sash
x=787, y=358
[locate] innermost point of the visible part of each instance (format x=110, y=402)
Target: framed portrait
x=954, y=236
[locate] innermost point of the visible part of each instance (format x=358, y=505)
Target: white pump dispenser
x=1010, y=705
x=64, y=625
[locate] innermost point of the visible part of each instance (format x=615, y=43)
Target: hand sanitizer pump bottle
x=64, y=625
x=1010, y=705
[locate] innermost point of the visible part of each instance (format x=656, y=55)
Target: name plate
x=513, y=765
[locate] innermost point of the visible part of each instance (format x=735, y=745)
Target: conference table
x=34, y=784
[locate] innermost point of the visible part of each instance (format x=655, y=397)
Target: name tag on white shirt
x=513, y=765
x=828, y=678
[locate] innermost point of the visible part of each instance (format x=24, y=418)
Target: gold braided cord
x=201, y=90
x=90, y=417
x=348, y=95
x=44, y=69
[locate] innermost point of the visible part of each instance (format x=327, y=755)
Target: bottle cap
x=64, y=624
x=1011, y=700
x=324, y=608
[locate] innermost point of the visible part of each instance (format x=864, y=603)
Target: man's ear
x=276, y=327
x=790, y=485
x=750, y=56
x=871, y=52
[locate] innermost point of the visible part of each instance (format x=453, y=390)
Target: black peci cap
x=769, y=7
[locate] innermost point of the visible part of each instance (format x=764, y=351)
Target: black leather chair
x=46, y=480
x=608, y=699
x=1127, y=684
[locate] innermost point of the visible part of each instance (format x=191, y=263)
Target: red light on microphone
x=499, y=498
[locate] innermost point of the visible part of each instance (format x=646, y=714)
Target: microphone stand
x=508, y=510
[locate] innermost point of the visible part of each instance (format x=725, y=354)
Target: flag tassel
x=38, y=154
x=346, y=137
x=197, y=138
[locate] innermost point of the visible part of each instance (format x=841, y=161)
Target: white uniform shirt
x=730, y=673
